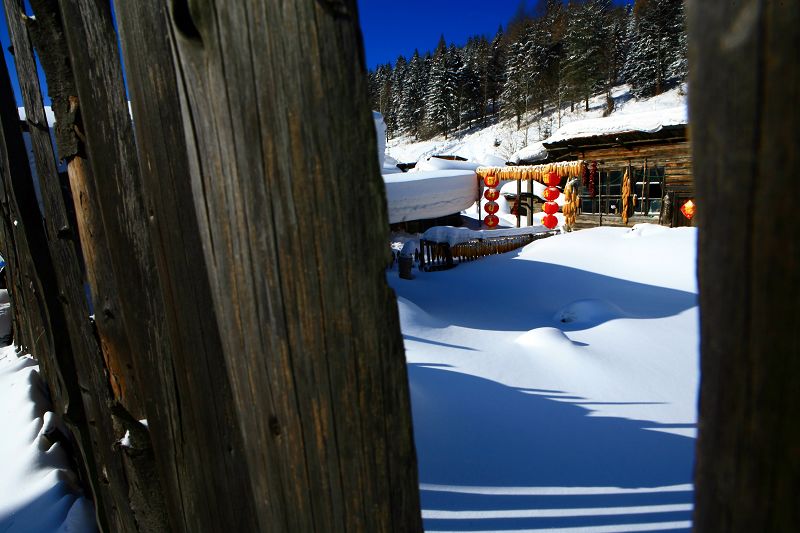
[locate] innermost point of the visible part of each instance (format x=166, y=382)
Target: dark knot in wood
x=337, y=8
x=274, y=425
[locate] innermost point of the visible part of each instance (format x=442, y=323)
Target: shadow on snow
x=473, y=296
x=473, y=433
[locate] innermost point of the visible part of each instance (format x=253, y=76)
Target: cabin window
x=649, y=189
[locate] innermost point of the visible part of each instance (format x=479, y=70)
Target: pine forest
x=554, y=56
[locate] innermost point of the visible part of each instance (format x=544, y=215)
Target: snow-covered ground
x=38, y=491
x=504, y=142
x=554, y=387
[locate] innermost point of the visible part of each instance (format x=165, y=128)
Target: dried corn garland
x=571, y=202
x=538, y=173
x=626, y=196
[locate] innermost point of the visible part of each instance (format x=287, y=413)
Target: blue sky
x=392, y=28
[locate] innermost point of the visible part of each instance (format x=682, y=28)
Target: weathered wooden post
x=746, y=147
x=287, y=190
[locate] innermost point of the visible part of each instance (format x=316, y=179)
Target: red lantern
x=688, y=209
x=491, y=194
x=553, y=179
x=490, y=180
x=491, y=208
x=551, y=193
x=550, y=221
x=551, y=208
x=491, y=220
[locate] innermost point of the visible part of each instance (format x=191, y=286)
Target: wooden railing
x=435, y=256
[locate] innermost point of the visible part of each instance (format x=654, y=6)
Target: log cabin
x=657, y=157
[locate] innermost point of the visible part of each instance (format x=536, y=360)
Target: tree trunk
x=283, y=166
x=745, y=79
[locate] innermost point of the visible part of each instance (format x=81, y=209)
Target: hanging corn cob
x=626, y=196
x=571, y=200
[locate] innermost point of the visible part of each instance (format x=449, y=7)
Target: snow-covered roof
x=433, y=194
x=646, y=122
x=533, y=152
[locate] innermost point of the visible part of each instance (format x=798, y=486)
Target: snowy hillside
x=504, y=142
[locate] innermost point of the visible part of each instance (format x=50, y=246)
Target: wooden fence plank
x=215, y=492
x=96, y=434
x=287, y=190
x=48, y=37
x=33, y=259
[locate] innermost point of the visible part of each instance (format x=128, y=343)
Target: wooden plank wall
x=676, y=157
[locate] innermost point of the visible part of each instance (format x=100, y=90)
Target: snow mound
x=427, y=164
x=589, y=311
x=545, y=339
x=412, y=315
x=645, y=230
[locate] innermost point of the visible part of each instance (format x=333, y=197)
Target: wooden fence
x=442, y=256
x=275, y=394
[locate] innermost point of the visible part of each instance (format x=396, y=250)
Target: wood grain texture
x=287, y=192
x=48, y=36
x=97, y=71
x=744, y=74
x=205, y=470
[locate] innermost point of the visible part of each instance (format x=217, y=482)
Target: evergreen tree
x=584, y=47
x=657, y=55
x=455, y=85
x=383, y=89
x=495, y=72
x=440, y=96
x=514, y=95
x=469, y=80
x=412, y=103
x=397, y=81
x=479, y=60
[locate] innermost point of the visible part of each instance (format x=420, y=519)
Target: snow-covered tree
x=397, y=81
x=495, y=71
x=412, y=103
x=584, y=49
x=440, y=96
x=657, y=55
